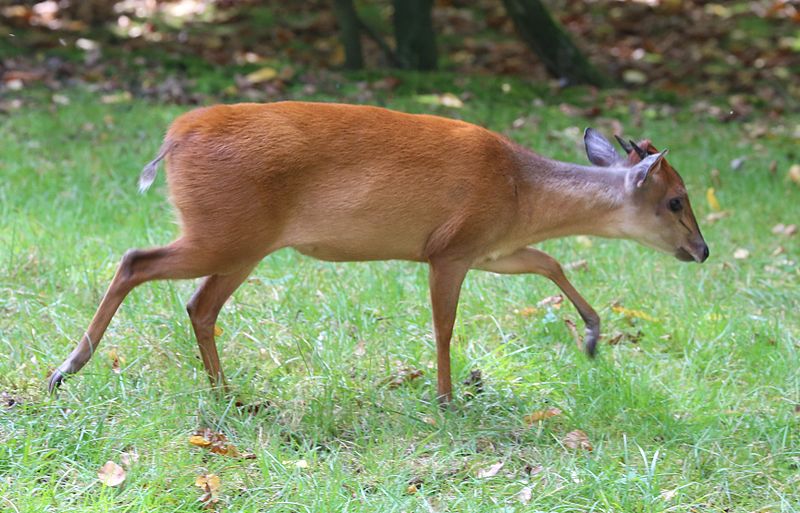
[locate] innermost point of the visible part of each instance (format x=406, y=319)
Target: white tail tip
x=148, y=176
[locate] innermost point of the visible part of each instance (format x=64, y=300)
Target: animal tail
x=149, y=172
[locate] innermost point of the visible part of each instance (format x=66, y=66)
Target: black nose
x=705, y=253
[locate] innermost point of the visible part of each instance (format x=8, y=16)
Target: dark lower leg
x=175, y=261
x=204, y=308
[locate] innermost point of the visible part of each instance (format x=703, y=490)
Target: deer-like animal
x=358, y=183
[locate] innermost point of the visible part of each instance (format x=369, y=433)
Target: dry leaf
x=554, y=301
x=524, y=495
x=668, y=495
x=781, y=229
x=577, y=440
x=217, y=330
x=296, y=463
x=794, y=173
x=261, y=75
x=199, y=441
x=573, y=330
x=128, y=458
x=713, y=217
x=404, y=375
x=111, y=474
x=741, y=254
x=713, y=204
x=210, y=484
x=412, y=489
x=631, y=313
x=578, y=265
x=490, y=471
x=115, y=361
x=527, y=311
x=541, y=415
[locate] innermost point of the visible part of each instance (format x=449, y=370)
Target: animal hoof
x=55, y=381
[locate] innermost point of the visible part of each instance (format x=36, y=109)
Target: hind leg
x=203, y=310
x=179, y=260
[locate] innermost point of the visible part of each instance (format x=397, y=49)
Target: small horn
x=625, y=146
x=642, y=154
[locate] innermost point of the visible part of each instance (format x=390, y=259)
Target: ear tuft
x=599, y=150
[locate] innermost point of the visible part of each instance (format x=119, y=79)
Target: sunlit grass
x=697, y=414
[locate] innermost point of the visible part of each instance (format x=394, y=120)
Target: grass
x=694, y=410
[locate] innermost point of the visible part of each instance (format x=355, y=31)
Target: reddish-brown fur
x=355, y=183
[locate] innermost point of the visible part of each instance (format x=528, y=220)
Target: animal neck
x=565, y=199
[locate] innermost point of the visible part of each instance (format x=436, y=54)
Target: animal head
x=658, y=212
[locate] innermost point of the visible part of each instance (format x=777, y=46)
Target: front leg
x=529, y=260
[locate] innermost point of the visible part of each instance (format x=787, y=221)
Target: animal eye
x=675, y=204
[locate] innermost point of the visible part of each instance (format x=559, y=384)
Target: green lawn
x=694, y=409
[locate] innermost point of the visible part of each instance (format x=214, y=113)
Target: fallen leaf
x=261, y=75
x=712, y=200
x=573, y=330
x=631, y=313
x=115, y=361
x=526, y=311
x=490, y=471
x=525, y=495
x=741, y=254
x=541, y=415
x=111, y=474
x=581, y=265
x=199, y=441
x=210, y=484
x=412, y=489
x=128, y=458
x=713, y=217
x=668, y=495
x=577, y=440
x=554, y=301
x=217, y=331
x=404, y=375
x=781, y=229
x=794, y=173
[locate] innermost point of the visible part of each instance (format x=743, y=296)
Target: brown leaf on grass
x=404, y=375
x=210, y=484
x=115, y=361
x=713, y=203
x=526, y=311
x=412, y=489
x=111, y=474
x=475, y=381
x=577, y=440
x=490, y=471
x=128, y=458
x=554, y=301
x=217, y=443
x=541, y=415
x=217, y=330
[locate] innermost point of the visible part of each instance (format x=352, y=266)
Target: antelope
x=358, y=183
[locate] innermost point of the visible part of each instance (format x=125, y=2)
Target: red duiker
x=356, y=183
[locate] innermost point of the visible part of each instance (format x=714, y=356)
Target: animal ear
x=641, y=172
x=599, y=150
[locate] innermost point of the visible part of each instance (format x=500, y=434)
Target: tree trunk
x=414, y=34
x=551, y=43
x=350, y=32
